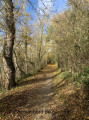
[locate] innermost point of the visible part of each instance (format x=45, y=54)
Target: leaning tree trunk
x=9, y=69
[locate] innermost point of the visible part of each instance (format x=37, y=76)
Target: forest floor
x=45, y=96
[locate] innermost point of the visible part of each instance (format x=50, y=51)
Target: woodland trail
x=45, y=100
x=35, y=101
x=45, y=96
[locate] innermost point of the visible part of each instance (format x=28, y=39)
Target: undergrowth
x=72, y=94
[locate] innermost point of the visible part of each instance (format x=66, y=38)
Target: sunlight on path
x=43, y=109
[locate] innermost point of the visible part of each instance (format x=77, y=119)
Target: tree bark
x=9, y=69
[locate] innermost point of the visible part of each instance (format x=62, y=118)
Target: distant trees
x=70, y=33
x=39, y=43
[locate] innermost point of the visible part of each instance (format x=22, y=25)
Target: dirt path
x=43, y=108
x=34, y=101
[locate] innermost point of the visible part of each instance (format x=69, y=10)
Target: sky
x=47, y=7
x=60, y=5
x=52, y=5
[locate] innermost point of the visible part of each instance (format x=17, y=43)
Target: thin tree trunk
x=9, y=69
x=26, y=57
x=19, y=68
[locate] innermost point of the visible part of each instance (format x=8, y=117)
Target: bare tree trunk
x=26, y=57
x=9, y=69
x=21, y=72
